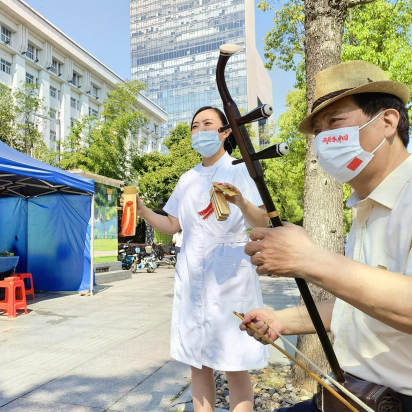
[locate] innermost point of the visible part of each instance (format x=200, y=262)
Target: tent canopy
x=46, y=219
x=21, y=175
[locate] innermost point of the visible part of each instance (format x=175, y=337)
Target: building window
x=153, y=146
x=5, y=35
x=264, y=141
x=5, y=66
x=93, y=112
x=53, y=114
x=74, y=103
x=53, y=92
x=52, y=140
x=32, y=53
x=75, y=79
x=72, y=122
x=262, y=123
x=156, y=129
x=29, y=78
x=55, y=67
x=95, y=91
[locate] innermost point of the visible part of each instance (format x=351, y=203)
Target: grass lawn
x=105, y=259
x=103, y=245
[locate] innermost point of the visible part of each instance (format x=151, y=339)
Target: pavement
x=106, y=352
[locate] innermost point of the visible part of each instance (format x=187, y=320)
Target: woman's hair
x=230, y=142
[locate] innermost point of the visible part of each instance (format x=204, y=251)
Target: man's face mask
x=206, y=142
x=340, y=154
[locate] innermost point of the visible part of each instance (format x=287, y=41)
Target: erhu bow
x=251, y=159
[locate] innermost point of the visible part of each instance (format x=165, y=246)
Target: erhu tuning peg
x=277, y=150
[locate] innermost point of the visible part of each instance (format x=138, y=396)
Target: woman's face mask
x=206, y=142
x=340, y=154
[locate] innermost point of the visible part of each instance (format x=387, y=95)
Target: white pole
x=91, y=245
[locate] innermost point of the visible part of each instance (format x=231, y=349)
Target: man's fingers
x=250, y=332
x=258, y=326
x=258, y=233
x=257, y=259
x=263, y=329
x=248, y=318
x=257, y=337
x=262, y=270
x=253, y=247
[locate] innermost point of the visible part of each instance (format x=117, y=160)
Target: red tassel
x=205, y=213
x=127, y=224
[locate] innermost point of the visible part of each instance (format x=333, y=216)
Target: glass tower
x=175, y=47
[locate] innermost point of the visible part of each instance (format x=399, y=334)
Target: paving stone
x=25, y=381
x=25, y=405
x=154, y=394
x=10, y=353
x=86, y=389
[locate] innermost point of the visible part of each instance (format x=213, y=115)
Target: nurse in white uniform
x=213, y=275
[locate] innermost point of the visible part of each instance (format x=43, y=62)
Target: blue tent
x=46, y=218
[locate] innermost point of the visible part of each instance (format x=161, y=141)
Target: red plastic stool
x=30, y=290
x=15, y=298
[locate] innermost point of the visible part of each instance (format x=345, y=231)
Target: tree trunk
x=323, y=198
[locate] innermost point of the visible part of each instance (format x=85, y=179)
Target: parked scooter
x=125, y=257
x=143, y=262
x=163, y=258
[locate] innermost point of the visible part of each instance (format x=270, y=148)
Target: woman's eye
x=334, y=119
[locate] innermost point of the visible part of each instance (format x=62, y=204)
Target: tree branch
x=354, y=3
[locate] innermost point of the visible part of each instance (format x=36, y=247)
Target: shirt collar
x=387, y=192
x=205, y=169
x=225, y=158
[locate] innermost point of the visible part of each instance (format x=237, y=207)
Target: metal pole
x=91, y=245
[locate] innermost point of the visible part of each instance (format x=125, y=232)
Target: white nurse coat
x=213, y=275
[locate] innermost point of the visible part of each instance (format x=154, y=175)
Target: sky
x=102, y=28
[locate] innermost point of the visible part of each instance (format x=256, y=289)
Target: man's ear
x=391, y=121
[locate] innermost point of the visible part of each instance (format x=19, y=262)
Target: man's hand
x=284, y=251
x=260, y=319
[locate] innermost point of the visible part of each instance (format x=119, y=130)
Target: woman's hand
x=139, y=204
x=253, y=215
x=166, y=224
x=236, y=199
x=261, y=319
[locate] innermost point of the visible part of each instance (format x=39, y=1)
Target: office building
x=175, y=47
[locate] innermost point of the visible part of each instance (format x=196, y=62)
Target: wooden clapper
x=219, y=201
x=129, y=218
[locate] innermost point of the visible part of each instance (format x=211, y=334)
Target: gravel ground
x=272, y=387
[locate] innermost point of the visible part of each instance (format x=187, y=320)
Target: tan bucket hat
x=349, y=78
